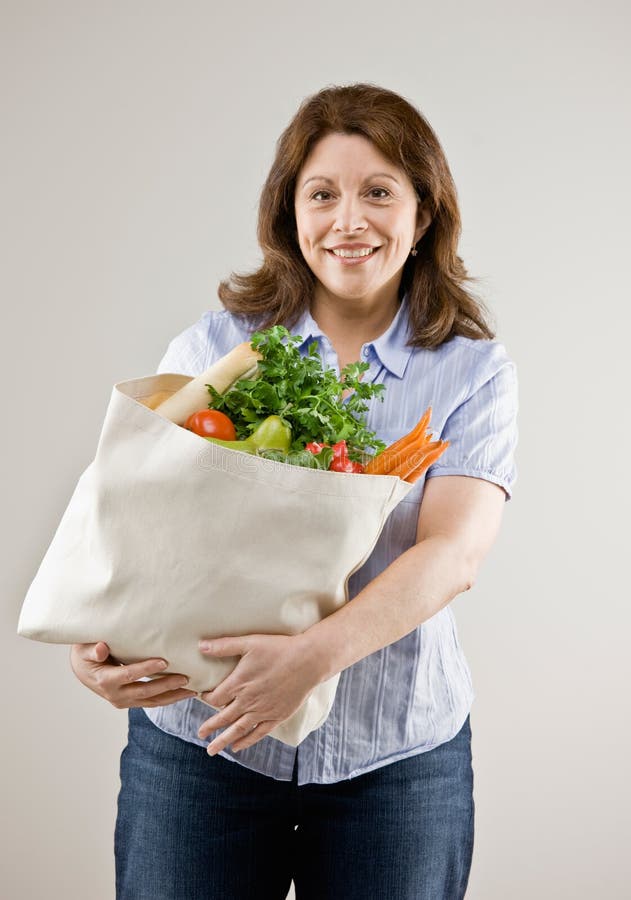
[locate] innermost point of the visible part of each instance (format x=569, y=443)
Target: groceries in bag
x=286, y=397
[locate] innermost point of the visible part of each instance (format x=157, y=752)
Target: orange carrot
x=430, y=460
x=391, y=456
x=419, y=462
x=413, y=450
x=407, y=462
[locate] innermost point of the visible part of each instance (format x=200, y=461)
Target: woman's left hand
x=273, y=678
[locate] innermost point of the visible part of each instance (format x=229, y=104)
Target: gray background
x=136, y=138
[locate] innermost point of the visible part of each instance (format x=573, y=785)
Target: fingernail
x=162, y=664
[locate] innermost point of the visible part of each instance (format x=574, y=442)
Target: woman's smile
x=352, y=257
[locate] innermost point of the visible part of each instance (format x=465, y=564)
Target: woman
x=358, y=225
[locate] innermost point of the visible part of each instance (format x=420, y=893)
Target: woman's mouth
x=353, y=257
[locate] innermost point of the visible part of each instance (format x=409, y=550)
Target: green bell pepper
x=273, y=433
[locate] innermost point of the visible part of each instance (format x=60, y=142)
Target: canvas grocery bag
x=169, y=538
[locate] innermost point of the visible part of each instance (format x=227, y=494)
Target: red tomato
x=211, y=423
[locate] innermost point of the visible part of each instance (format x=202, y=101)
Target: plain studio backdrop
x=136, y=139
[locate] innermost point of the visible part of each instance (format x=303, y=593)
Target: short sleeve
x=482, y=432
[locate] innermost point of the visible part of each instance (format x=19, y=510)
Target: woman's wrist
x=318, y=648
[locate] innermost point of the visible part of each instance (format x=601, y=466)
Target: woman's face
x=350, y=198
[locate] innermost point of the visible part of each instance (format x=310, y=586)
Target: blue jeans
x=196, y=827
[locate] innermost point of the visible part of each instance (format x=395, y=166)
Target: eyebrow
x=330, y=180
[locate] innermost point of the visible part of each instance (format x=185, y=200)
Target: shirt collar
x=389, y=347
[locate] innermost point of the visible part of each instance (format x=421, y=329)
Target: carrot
x=430, y=460
x=390, y=457
x=414, y=450
x=407, y=462
x=418, y=462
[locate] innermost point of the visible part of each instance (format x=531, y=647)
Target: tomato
x=211, y=423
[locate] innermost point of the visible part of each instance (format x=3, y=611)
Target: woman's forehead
x=348, y=153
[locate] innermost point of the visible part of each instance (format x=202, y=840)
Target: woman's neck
x=346, y=322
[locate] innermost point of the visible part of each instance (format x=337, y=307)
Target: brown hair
x=279, y=291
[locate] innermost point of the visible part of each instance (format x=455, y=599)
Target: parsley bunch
x=307, y=396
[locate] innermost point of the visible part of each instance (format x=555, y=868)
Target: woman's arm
x=459, y=520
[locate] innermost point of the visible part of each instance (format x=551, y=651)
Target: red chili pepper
x=314, y=447
x=341, y=462
x=345, y=465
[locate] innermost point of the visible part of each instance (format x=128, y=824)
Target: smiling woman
x=359, y=228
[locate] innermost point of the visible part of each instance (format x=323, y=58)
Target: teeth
x=352, y=254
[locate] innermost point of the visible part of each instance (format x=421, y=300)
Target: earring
x=413, y=251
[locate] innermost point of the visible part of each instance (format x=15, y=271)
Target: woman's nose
x=349, y=216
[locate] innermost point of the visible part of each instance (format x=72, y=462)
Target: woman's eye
x=385, y=193
x=314, y=196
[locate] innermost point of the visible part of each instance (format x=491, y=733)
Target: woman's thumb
x=100, y=651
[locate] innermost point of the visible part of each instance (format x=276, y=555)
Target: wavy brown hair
x=440, y=305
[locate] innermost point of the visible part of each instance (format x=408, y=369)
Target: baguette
x=156, y=399
x=240, y=362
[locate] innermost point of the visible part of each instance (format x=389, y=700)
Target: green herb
x=307, y=396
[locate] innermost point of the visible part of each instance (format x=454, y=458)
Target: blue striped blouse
x=416, y=693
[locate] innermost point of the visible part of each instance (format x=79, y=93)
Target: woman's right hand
x=119, y=684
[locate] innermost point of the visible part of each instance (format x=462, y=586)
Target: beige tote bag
x=169, y=538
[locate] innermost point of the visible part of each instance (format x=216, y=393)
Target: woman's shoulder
x=461, y=365
x=224, y=320
x=483, y=347
x=200, y=343
x=486, y=362
x=485, y=355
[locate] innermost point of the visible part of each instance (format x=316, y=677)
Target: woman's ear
x=423, y=221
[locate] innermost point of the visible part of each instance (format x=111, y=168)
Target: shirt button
x=365, y=352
